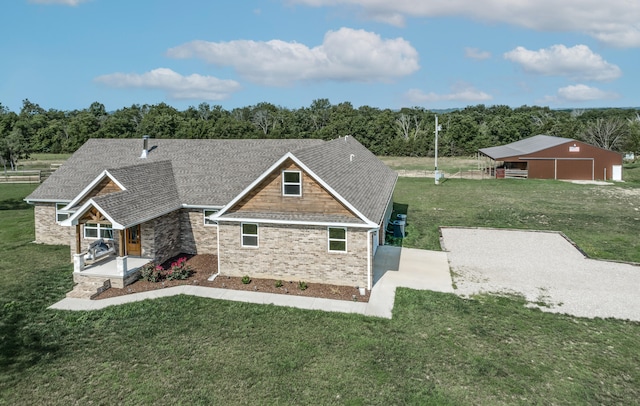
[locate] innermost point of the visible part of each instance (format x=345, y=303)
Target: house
x=307, y=210
x=547, y=157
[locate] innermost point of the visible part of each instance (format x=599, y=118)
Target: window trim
x=256, y=235
x=204, y=217
x=329, y=239
x=99, y=228
x=298, y=183
x=60, y=212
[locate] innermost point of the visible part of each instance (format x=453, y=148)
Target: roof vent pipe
x=351, y=157
x=145, y=146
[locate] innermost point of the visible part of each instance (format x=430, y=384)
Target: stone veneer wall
x=166, y=236
x=162, y=238
x=47, y=230
x=298, y=253
x=195, y=237
x=147, y=239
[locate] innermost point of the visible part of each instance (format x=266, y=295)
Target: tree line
x=404, y=132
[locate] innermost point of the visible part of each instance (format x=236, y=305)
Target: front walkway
x=393, y=267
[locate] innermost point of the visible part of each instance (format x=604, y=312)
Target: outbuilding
x=547, y=157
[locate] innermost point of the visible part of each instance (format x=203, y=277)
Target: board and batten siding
x=267, y=196
x=105, y=186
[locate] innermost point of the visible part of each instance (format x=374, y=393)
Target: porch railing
x=516, y=173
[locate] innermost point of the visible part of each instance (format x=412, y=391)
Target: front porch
x=121, y=271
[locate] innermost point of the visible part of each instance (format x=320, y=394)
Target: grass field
x=438, y=348
x=42, y=161
x=447, y=164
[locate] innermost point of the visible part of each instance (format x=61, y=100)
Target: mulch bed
x=205, y=265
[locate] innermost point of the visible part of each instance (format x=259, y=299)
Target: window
x=249, y=235
x=337, y=239
x=97, y=230
x=60, y=214
x=291, y=183
x=207, y=217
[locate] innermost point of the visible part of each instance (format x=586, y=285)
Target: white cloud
x=177, y=86
x=345, y=55
x=577, y=63
x=475, y=53
x=61, y=2
x=461, y=92
x=614, y=22
x=580, y=93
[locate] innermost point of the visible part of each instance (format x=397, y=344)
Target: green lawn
x=438, y=349
x=603, y=220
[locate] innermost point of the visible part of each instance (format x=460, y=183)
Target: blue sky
x=66, y=54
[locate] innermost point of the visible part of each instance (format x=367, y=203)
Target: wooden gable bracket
x=94, y=216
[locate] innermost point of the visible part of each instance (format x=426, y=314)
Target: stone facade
x=47, y=230
x=166, y=236
x=294, y=253
x=195, y=236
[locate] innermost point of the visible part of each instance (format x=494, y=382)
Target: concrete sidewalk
x=393, y=267
x=408, y=268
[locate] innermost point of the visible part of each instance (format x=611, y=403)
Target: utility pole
x=437, y=174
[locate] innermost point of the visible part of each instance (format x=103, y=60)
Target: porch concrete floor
x=108, y=267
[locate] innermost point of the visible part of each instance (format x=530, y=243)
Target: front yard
x=437, y=349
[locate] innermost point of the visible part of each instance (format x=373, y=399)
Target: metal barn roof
x=524, y=147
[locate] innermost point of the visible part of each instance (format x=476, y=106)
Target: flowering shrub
x=178, y=270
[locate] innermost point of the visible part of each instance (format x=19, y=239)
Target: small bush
x=279, y=283
x=246, y=280
x=151, y=272
x=302, y=285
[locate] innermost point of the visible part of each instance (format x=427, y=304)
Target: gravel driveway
x=543, y=267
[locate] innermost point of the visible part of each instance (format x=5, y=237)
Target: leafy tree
x=631, y=142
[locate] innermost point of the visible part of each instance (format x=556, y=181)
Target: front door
x=133, y=241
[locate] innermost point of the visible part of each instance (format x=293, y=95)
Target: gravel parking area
x=545, y=268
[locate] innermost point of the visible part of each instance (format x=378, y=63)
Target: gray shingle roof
x=141, y=200
x=213, y=172
x=206, y=172
x=524, y=147
x=353, y=172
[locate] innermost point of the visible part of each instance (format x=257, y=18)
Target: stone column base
x=78, y=262
x=121, y=265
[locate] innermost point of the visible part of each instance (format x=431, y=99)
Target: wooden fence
x=29, y=176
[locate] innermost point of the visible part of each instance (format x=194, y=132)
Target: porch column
x=121, y=259
x=78, y=241
x=122, y=244
x=78, y=257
